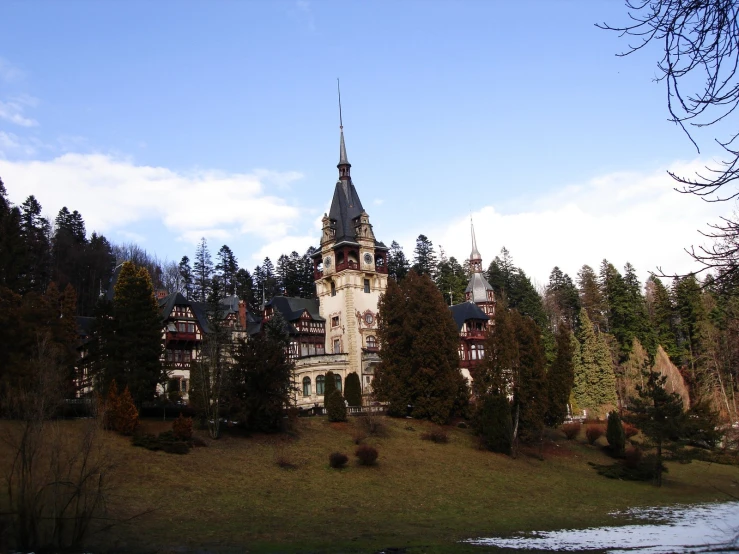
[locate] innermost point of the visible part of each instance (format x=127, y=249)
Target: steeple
x=343, y=165
x=475, y=257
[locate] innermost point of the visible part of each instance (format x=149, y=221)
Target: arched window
x=306, y=386
x=337, y=379
x=371, y=342
x=320, y=385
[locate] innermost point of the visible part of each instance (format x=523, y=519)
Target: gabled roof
x=466, y=310
x=292, y=308
x=167, y=304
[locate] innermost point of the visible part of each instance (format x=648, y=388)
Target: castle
x=336, y=331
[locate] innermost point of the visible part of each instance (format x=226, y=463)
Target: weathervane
x=338, y=87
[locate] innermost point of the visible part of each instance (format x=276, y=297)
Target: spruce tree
x=530, y=390
x=595, y=382
x=591, y=297
x=186, y=277
x=397, y=264
x=419, y=367
x=353, y=389
x=226, y=269
x=615, y=434
x=424, y=257
x=202, y=272
x=662, y=316
x=494, y=424
x=560, y=378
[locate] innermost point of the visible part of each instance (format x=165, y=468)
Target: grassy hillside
x=232, y=495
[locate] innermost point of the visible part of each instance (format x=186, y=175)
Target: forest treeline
x=620, y=325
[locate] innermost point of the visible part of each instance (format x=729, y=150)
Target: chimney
x=242, y=314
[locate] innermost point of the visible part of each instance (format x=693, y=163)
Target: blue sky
x=165, y=121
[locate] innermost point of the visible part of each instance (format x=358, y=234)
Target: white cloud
x=285, y=245
x=115, y=194
x=13, y=110
x=626, y=216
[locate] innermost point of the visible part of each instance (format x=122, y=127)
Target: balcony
x=473, y=334
x=180, y=336
x=347, y=265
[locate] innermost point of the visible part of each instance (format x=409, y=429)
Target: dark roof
x=167, y=304
x=292, y=308
x=466, y=310
x=345, y=207
x=479, y=287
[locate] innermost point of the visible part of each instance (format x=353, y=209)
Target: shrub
x=630, y=430
x=593, y=433
x=632, y=457
x=335, y=406
x=438, y=436
x=615, y=434
x=127, y=420
x=337, y=460
x=366, y=455
x=182, y=428
x=571, y=430
x=112, y=407
x=353, y=389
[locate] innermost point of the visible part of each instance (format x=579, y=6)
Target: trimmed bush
x=127, y=419
x=337, y=460
x=112, y=407
x=615, y=434
x=438, y=436
x=353, y=389
x=366, y=455
x=593, y=433
x=335, y=406
x=182, y=428
x=494, y=424
x=571, y=430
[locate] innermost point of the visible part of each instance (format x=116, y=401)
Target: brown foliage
x=630, y=430
x=127, y=419
x=593, y=433
x=337, y=460
x=366, y=455
x=112, y=407
x=571, y=430
x=675, y=382
x=182, y=428
x=632, y=457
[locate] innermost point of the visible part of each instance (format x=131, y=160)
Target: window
x=337, y=346
x=367, y=379
x=306, y=386
x=335, y=321
x=337, y=379
x=183, y=385
x=366, y=285
x=320, y=385
x=371, y=342
x=333, y=288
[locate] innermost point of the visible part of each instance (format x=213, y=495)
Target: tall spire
x=475, y=257
x=344, y=165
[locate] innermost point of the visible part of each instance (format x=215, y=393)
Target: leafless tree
x=699, y=65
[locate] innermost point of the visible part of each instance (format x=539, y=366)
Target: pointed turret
x=475, y=257
x=478, y=290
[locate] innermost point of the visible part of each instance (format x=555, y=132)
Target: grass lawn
x=231, y=496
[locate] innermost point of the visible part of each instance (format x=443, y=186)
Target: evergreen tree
x=397, y=264
x=451, y=278
x=353, y=389
x=424, y=257
x=202, y=272
x=132, y=340
x=662, y=316
x=591, y=297
x=632, y=372
x=530, y=385
x=12, y=249
x=245, y=288
x=226, y=269
x=261, y=382
x=560, y=378
x=494, y=424
x=419, y=367
x=562, y=299
x=615, y=434
x=595, y=382
x=493, y=375
x=501, y=272
x=329, y=385
x=35, y=232
x=187, y=277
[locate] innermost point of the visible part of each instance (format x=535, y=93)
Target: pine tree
x=530, y=389
x=12, y=248
x=451, y=278
x=245, y=287
x=562, y=299
x=353, y=389
x=560, y=378
x=424, y=257
x=662, y=316
x=397, y=264
x=186, y=277
x=595, y=382
x=132, y=343
x=501, y=272
x=419, y=367
x=226, y=269
x=35, y=233
x=261, y=381
x=202, y=272
x=591, y=297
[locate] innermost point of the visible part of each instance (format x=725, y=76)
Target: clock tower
x=350, y=269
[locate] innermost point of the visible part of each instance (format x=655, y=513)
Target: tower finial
x=344, y=164
x=338, y=88
x=475, y=257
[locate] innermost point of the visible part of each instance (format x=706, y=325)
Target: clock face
x=327, y=261
x=368, y=258
x=368, y=318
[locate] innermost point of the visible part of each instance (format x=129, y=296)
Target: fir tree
x=397, y=264
x=353, y=389
x=419, y=360
x=591, y=297
x=595, y=382
x=424, y=257
x=494, y=424
x=562, y=299
x=35, y=232
x=451, y=278
x=530, y=389
x=226, y=269
x=202, y=272
x=662, y=316
x=560, y=378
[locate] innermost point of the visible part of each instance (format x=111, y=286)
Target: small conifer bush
x=438, y=436
x=335, y=406
x=127, y=420
x=593, y=433
x=571, y=430
x=366, y=455
x=337, y=460
x=615, y=434
x=182, y=428
x=112, y=407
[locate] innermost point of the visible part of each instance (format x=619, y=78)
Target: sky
x=164, y=122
